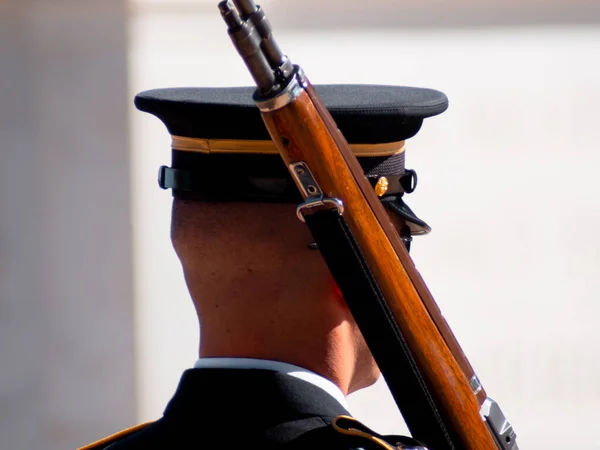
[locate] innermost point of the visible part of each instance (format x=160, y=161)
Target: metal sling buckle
x=315, y=200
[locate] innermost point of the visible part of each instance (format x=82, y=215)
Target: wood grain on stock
x=301, y=135
x=399, y=248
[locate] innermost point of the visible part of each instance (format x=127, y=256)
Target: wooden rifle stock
x=304, y=131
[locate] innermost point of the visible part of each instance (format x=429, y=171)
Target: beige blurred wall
x=507, y=180
x=66, y=337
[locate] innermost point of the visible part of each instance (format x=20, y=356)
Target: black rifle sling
x=375, y=320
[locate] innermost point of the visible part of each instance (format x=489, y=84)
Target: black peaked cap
x=205, y=121
x=367, y=114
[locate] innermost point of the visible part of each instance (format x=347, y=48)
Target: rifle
x=435, y=387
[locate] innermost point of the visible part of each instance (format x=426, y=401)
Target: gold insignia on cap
x=382, y=186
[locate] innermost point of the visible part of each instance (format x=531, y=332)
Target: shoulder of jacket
x=109, y=440
x=365, y=438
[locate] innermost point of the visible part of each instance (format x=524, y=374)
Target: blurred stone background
x=95, y=322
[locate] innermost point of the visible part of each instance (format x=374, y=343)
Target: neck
x=321, y=353
x=265, y=314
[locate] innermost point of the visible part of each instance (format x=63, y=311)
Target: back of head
x=237, y=250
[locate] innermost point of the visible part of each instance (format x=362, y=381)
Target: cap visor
x=416, y=225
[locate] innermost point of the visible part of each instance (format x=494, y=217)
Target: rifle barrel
x=247, y=41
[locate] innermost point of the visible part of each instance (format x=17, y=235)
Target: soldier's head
x=259, y=285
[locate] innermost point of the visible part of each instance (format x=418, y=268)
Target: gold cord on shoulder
x=114, y=437
x=267, y=147
x=352, y=427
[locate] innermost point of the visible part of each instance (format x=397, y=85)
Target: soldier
x=279, y=350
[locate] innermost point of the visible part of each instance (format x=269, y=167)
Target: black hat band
x=251, y=170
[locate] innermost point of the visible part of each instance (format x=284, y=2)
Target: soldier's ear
x=336, y=293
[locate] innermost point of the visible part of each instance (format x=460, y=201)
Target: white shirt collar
x=277, y=366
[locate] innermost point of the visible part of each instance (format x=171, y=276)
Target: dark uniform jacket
x=246, y=409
